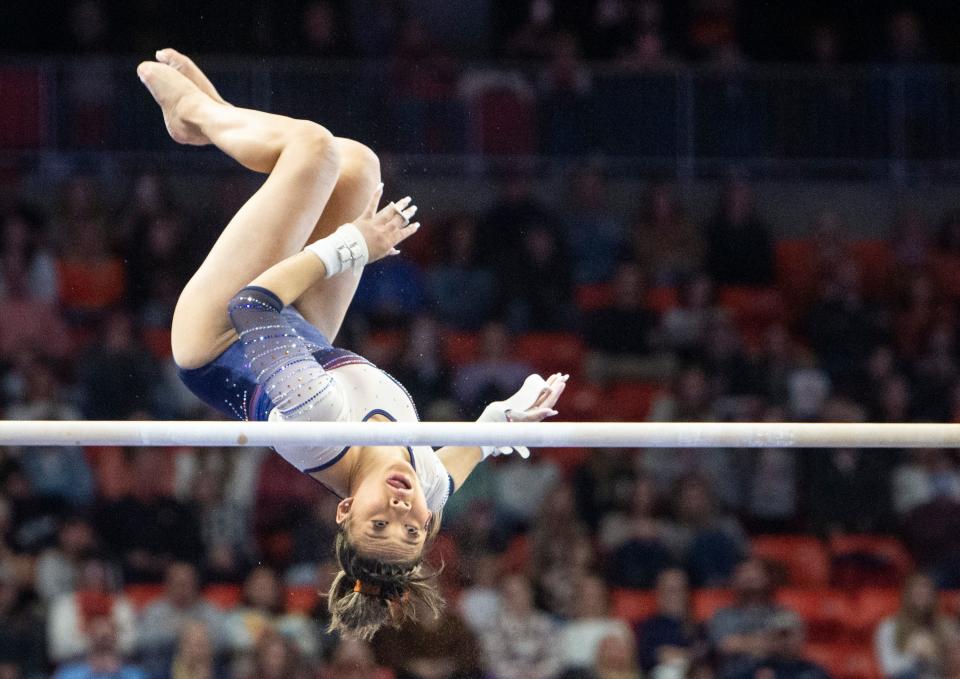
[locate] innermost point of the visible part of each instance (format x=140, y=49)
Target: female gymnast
x=252, y=329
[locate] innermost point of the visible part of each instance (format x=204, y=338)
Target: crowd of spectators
x=87, y=292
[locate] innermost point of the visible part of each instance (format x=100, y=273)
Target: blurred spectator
x=709, y=542
x=740, y=633
x=312, y=536
x=320, y=32
x=593, y=232
x=105, y=659
x=92, y=280
x=565, y=73
x=914, y=641
x=536, y=288
x=57, y=569
x=438, y=647
x=537, y=34
x=948, y=237
x=23, y=258
x=739, y=242
x=276, y=657
x=30, y=322
x=508, y=221
x=194, y=656
x=773, y=500
x=33, y=518
x=622, y=335
x=422, y=368
x=580, y=638
x=671, y=636
x=905, y=33
x=117, y=376
x=922, y=477
x=562, y=550
x=21, y=627
x=603, y=483
x=353, y=659
x=224, y=527
x=784, y=656
x=163, y=623
x=910, y=240
x=390, y=291
x=158, y=266
x=617, y=658
x=523, y=643
x=664, y=241
x=847, y=489
x=72, y=627
x=458, y=276
x=685, y=326
x=262, y=613
x=636, y=540
x=148, y=529
x=931, y=533
x=479, y=603
x=54, y=471
x=494, y=375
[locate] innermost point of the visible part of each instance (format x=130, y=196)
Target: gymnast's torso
x=229, y=384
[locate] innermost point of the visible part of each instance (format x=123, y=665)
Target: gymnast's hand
x=533, y=403
x=384, y=230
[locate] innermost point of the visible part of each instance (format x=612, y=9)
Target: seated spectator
x=621, y=336
x=117, y=376
x=479, y=603
x=739, y=633
x=922, y=477
x=21, y=628
x=931, y=533
x=616, y=658
x=458, y=276
x=665, y=243
x=604, y=483
x=312, y=536
x=104, y=659
x=523, y=644
x=58, y=567
x=948, y=236
x=784, y=656
x=53, y=471
x=159, y=262
x=353, y=659
x=521, y=488
x=91, y=279
x=535, y=282
x=147, y=528
x=194, y=656
x=636, y=540
x=24, y=260
x=262, y=611
x=739, y=242
x=684, y=327
x=591, y=229
x=32, y=519
x=422, y=369
x=670, y=637
x=391, y=290
x=710, y=542
x=31, y=322
x=511, y=216
x=276, y=657
x=580, y=638
x=440, y=647
x=70, y=618
x=494, y=375
x=162, y=623
x=914, y=641
x=224, y=528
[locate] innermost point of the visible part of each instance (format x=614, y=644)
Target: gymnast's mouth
x=400, y=482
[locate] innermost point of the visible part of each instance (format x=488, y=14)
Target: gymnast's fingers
x=371, y=208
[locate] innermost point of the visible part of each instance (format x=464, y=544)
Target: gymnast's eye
x=413, y=531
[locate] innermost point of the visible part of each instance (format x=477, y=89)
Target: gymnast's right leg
x=303, y=163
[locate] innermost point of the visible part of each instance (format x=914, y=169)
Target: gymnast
x=252, y=335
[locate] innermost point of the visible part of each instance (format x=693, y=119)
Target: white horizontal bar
x=545, y=434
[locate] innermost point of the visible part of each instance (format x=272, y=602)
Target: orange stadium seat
x=950, y=602
x=224, y=597
x=630, y=401
x=661, y=300
x=141, y=596
x=845, y=661
x=568, y=459
x=870, y=606
x=157, y=342
x=876, y=265
x=302, y=599
x=593, y=296
x=460, y=347
x=868, y=560
x=825, y=611
x=633, y=605
x=706, y=602
x=551, y=352
x=804, y=559
x=796, y=276
x=517, y=557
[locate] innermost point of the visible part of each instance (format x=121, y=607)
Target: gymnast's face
x=387, y=515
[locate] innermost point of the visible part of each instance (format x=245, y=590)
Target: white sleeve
x=892, y=661
x=436, y=481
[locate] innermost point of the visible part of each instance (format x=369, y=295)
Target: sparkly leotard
x=283, y=368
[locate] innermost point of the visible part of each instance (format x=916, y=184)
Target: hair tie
x=366, y=588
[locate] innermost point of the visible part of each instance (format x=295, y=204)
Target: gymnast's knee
x=317, y=146
x=358, y=162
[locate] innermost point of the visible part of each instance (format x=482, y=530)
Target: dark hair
x=369, y=593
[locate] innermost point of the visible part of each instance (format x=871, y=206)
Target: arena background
x=703, y=210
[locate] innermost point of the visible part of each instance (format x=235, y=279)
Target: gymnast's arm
x=460, y=461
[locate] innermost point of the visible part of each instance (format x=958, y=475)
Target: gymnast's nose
x=401, y=505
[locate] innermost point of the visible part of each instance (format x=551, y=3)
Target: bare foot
x=176, y=96
x=187, y=67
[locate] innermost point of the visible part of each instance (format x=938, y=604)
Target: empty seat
x=825, y=612
x=633, y=605
x=804, y=559
x=223, y=596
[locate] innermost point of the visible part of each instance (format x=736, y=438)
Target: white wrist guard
x=343, y=249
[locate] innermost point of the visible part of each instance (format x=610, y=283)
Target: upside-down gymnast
x=253, y=328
